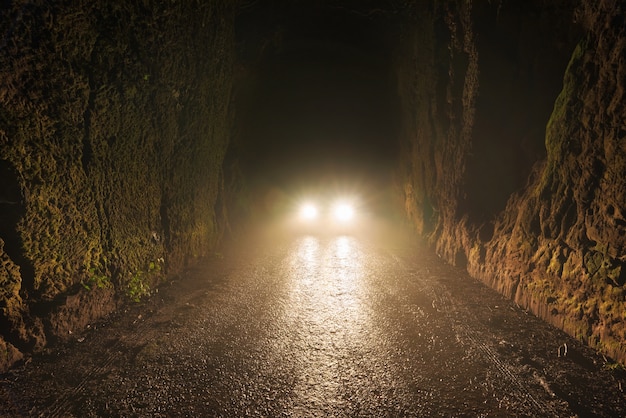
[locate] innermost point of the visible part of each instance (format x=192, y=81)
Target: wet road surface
x=318, y=326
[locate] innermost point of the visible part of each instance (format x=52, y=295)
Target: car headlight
x=343, y=212
x=308, y=211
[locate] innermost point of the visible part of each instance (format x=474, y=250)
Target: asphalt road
x=316, y=326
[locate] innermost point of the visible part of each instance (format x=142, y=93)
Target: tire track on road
x=453, y=310
x=474, y=335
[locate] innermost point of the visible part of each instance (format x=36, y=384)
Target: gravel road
x=288, y=325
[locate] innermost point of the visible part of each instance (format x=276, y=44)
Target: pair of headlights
x=340, y=211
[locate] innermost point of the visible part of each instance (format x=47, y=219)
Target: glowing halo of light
x=308, y=211
x=343, y=212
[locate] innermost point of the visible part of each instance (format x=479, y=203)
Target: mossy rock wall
x=114, y=121
x=520, y=184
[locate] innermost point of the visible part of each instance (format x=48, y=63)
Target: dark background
x=319, y=105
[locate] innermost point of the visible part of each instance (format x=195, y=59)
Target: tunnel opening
x=320, y=106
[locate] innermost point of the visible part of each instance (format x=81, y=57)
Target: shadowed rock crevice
x=12, y=210
x=523, y=51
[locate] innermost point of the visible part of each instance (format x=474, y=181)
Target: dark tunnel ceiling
x=322, y=99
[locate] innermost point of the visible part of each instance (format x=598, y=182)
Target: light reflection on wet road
x=327, y=319
x=335, y=332
x=308, y=326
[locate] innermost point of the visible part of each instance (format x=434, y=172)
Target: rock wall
x=520, y=184
x=114, y=121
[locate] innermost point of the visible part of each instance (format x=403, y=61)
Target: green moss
x=613, y=367
x=139, y=283
x=580, y=329
x=556, y=263
x=558, y=130
x=603, y=268
x=542, y=290
x=137, y=286
x=593, y=262
x=554, y=137
x=605, y=308
x=97, y=279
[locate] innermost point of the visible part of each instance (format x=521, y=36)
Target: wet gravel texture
x=312, y=326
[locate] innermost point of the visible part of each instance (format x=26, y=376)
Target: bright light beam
x=343, y=212
x=308, y=211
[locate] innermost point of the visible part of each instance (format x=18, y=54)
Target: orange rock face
x=521, y=184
